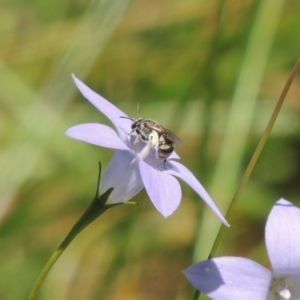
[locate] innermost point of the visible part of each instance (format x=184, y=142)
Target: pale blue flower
x=235, y=278
x=128, y=177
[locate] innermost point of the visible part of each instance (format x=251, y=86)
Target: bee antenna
x=138, y=110
x=126, y=118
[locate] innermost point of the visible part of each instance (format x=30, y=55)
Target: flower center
x=283, y=288
x=284, y=293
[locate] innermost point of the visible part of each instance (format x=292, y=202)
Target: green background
x=210, y=71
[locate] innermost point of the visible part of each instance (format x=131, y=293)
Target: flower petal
x=174, y=155
x=178, y=170
x=163, y=189
x=108, y=109
x=97, y=134
x=230, y=278
x=283, y=237
x=123, y=176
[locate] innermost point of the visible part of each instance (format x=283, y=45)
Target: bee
x=155, y=135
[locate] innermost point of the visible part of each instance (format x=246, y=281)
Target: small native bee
x=156, y=135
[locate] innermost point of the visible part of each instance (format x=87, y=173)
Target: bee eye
x=133, y=126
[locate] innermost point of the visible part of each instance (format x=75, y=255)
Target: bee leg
x=137, y=139
x=144, y=153
x=130, y=132
x=154, y=139
x=134, y=160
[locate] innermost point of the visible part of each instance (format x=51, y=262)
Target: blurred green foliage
x=209, y=70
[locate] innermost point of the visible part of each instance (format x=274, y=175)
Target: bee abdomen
x=165, y=147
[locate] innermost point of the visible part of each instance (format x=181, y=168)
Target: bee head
x=136, y=123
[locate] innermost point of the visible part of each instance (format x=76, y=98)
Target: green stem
x=96, y=208
x=253, y=161
x=44, y=273
x=256, y=154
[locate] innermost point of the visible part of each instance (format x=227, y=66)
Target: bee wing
x=177, y=141
x=151, y=124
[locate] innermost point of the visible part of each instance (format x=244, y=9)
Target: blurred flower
x=128, y=177
x=240, y=278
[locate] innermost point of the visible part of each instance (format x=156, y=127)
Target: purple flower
x=240, y=278
x=126, y=172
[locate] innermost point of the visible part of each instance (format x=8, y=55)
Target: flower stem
x=256, y=154
x=44, y=273
x=253, y=161
x=96, y=208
